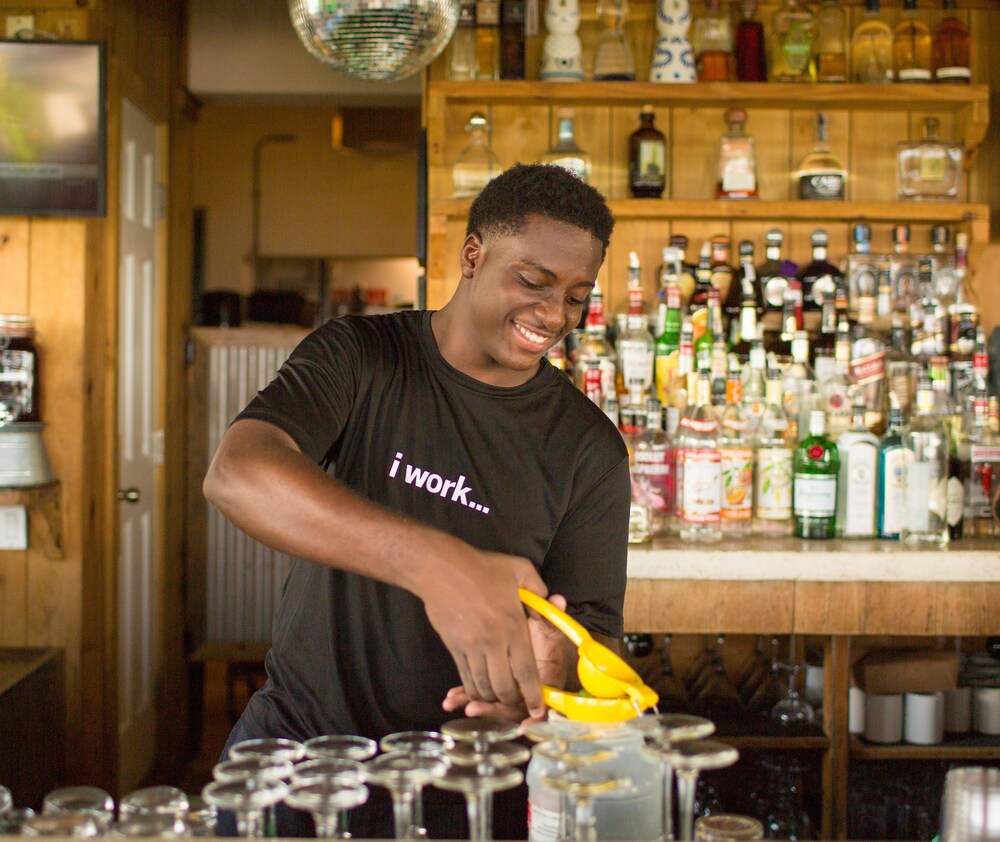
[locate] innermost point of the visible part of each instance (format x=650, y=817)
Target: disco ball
x=376, y=40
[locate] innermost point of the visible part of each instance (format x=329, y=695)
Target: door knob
x=129, y=495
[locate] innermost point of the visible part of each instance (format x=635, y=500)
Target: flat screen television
x=52, y=128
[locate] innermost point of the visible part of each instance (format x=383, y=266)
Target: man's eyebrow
x=543, y=269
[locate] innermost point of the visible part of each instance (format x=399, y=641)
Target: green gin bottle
x=814, y=481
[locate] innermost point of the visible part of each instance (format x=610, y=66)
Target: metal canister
x=19, y=380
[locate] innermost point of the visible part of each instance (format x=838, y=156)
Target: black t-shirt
x=536, y=471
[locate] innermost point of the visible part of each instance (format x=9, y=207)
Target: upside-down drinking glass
x=688, y=760
x=82, y=799
x=341, y=747
x=327, y=798
x=248, y=799
x=405, y=774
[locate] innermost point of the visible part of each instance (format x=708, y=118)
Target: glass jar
x=19, y=378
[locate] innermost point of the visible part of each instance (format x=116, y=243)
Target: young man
x=423, y=466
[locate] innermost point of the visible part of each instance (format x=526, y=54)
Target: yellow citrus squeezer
x=614, y=691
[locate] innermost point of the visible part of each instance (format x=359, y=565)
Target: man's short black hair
x=547, y=190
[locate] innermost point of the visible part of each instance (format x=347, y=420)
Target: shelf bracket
x=973, y=120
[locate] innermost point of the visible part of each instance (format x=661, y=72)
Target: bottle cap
x=736, y=115
x=817, y=422
x=647, y=109
x=820, y=237
x=774, y=237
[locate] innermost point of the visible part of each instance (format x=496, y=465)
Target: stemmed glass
x=568, y=757
x=581, y=785
x=166, y=801
x=482, y=762
x=793, y=709
x=661, y=731
x=162, y=825
x=432, y=742
x=558, y=733
x=688, y=760
x=202, y=818
x=91, y=800
x=405, y=774
x=328, y=798
x=261, y=771
x=62, y=824
x=341, y=769
x=341, y=746
x=248, y=799
x=268, y=748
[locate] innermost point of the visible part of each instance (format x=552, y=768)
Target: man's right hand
x=473, y=604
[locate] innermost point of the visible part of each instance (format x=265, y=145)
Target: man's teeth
x=531, y=335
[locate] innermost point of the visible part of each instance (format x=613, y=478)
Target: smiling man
x=423, y=466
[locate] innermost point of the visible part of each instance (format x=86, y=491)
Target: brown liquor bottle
x=512, y=39
x=647, y=158
x=950, y=48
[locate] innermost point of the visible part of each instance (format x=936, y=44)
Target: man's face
x=526, y=291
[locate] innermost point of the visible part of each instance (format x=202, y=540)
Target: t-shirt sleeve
x=587, y=559
x=314, y=391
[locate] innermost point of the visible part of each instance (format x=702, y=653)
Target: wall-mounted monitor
x=52, y=128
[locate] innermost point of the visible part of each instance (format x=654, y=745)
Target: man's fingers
x=525, y=672
x=481, y=680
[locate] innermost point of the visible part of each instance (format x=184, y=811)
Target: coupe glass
x=202, y=817
x=688, y=760
x=159, y=800
x=248, y=800
x=431, y=742
x=268, y=748
x=352, y=770
x=13, y=820
x=581, y=785
x=341, y=747
x=91, y=800
x=62, y=824
x=405, y=774
x=253, y=768
x=477, y=784
x=161, y=825
x=327, y=798
x=793, y=709
x=661, y=731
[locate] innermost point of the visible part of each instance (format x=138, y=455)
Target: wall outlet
x=13, y=528
x=15, y=23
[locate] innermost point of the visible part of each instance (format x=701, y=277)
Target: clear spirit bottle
x=647, y=158
x=613, y=60
x=858, y=479
x=831, y=42
x=903, y=268
x=866, y=371
x=824, y=348
x=476, y=164
x=930, y=168
x=947, y=281
x=894, y=458
x=653, y=462
x=737, y=460
x=926, y=520
x=594, y=346
x=699, y=475
x=755, y=384
x=814, y=482
x=737, y=177
x=635, y=347
x=983, y=477
x=950, y=48
x=799, y=384
x=862, y=277
x=774, y=451
x=836, y=395
x=565, y=153
x=871, y=47
x=793, y=35
x=911, y=46
x=640, y=517
x=821, y=174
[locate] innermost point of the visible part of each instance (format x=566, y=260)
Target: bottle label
x=650, y=165
x=701, y=490
x=824, y=185
x=666, y=366
x=815, y=495
x=774, y=291
x=918, y=497
x=608, y=376
x=737, y=483
x=956, y=501
x=576, y=165
x=861, y=461
x=774, y=483
x=543, y=825
x=636, y=362
x=737, y=168
x=894, y=490
x=867, y=369
x=654, y=465
x=932, y=163
x=707, y=426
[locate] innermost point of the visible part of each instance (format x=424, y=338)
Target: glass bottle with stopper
x=614, y=56
x=821, y=174
x=930, y=168
x=476, y=164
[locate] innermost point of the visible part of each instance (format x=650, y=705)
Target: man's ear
x=470, y=254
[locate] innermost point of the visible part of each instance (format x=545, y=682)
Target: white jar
x=631, y=813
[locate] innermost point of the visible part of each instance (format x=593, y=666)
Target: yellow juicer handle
x=560, y=619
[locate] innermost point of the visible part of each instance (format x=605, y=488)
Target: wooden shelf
x=687, y=209
x=44, y=504
x=971, y=748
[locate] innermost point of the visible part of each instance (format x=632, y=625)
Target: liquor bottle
x=798, y=385
x=950, y=48
x=668, y=343
x=681, y=389
x=857, y=488
x=720, y=362
x=476, y=164
x=512, y=39
x=911, y=46
x=613, y=60
x=556, y=355
x=640, y=516
x=819, y=276
x=793, y=33
x=871, y=47
x=821, y=174
x=747, y=329
x=737, y=460
x=904, y=270
x=737, y=177
x=653, y=460
x=712, y=42
x=983, y=471
x=862, y=278
x=831, y=42
x=592, y=385
x=836, y=396
x=772, y=276
x=773, y=465
x=930, y=168
x=884, y=314
x=900, y=367
x=742, y=285
x=686, y=275
x=755, y=384
x=947, y=411
x=722, y=272
x=947, y=282
x=824, y=348
x=698, y=304
x=779, y=344
x=462, y=50
x=815, y=468
x=595, y=346
x=488, y=39
x=866, y=370
x=647, y=158
x=749, y=36
x=565, y=153
x=612, y=409
x=699, y=474
x=704, y=344
x=926, y=520
x=635, y=347
x=893, y=459
x=635, y=302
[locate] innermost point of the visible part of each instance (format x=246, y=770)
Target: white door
x=139, y=445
